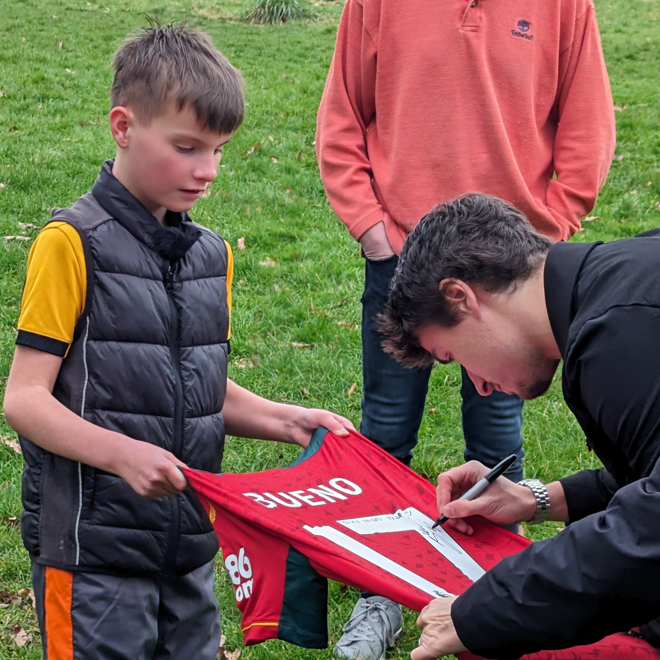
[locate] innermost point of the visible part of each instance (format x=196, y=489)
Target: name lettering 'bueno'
x=338, y=489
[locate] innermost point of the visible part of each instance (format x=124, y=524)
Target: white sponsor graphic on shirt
x=405, y=520
x=338, y=489
x=240, y=572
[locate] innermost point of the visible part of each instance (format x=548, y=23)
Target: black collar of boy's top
x=171, y=242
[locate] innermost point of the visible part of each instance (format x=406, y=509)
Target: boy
x=120, y=372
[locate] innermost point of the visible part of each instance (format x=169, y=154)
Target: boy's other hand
x=151, y=471
x=307, y=420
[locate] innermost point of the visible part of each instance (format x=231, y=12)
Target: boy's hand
x=151, y=471
x=307, y=420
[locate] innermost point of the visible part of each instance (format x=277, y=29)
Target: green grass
x=54, y=136
x=276, y=11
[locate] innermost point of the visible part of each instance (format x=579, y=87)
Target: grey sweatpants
x=91, y=616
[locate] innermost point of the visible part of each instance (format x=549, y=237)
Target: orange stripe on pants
x=57, y=609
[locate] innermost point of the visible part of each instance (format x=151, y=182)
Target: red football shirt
x=348, y=511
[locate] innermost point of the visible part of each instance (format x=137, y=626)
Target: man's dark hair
x=174, y=64
x=476, y=238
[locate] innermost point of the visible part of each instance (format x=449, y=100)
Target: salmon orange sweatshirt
x=429, y=99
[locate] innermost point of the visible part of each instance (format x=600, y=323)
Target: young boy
x=120, y=373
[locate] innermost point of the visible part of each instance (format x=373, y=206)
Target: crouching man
x=477, y=284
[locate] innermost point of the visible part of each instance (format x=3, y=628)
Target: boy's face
x=169, y=163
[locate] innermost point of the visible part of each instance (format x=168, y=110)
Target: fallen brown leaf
x=268, y=262
x=27, y=225
x=10, y=597
x=273, y=159
x=13, y=444
x=18, y=238
x=253, y=149
x=223, y=654
x=13, y=128
x=296, y=344
x=29, y=594
x=620, y=108
x=346, y=324
x=300, y=155
x=20, y=636
x=12, y=521
x=221, y=649
x=351, y=389
x=240, y=243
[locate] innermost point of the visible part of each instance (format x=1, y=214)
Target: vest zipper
x=177, y=433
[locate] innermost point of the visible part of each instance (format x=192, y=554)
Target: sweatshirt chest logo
x=522, y=31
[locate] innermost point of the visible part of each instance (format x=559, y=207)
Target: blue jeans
x=394, y=397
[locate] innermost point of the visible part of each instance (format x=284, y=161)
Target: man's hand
x=502, y=502
x=307, y=420
x=438, y=633
x=374, y=243
x=150, y=471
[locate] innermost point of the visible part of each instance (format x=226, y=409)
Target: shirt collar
x=561, y=275
x=115, y=198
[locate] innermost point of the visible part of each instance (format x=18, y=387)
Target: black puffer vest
x=148, y=360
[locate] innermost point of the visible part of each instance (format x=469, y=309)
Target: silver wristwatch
x=542, y=500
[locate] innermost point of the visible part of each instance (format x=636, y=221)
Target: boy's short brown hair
x=176, y=64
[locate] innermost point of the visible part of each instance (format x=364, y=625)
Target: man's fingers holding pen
x=457, y=481
x=503, y=502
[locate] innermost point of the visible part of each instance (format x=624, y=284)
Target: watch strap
x=542, y=500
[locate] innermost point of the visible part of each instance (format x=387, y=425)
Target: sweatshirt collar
x=171, y=241
x=561, y=275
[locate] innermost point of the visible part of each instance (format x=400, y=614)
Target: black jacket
x=602, y=573
x=148, y=360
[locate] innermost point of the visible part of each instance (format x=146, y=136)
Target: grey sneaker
x=374, y=627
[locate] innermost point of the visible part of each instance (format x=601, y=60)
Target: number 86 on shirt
x=240, y=567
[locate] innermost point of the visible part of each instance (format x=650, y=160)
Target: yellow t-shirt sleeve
x=55, y=290
x=230, y=279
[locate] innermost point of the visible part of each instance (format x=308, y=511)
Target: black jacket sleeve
x=598, y=576
x=601, y=574
x=587, y=492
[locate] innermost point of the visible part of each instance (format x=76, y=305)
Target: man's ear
x=461, y=297
x=121, y=120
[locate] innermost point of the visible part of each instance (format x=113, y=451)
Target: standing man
x=425, y=101
x=477, y=284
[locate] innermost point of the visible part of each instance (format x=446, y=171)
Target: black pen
x=482, y=484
